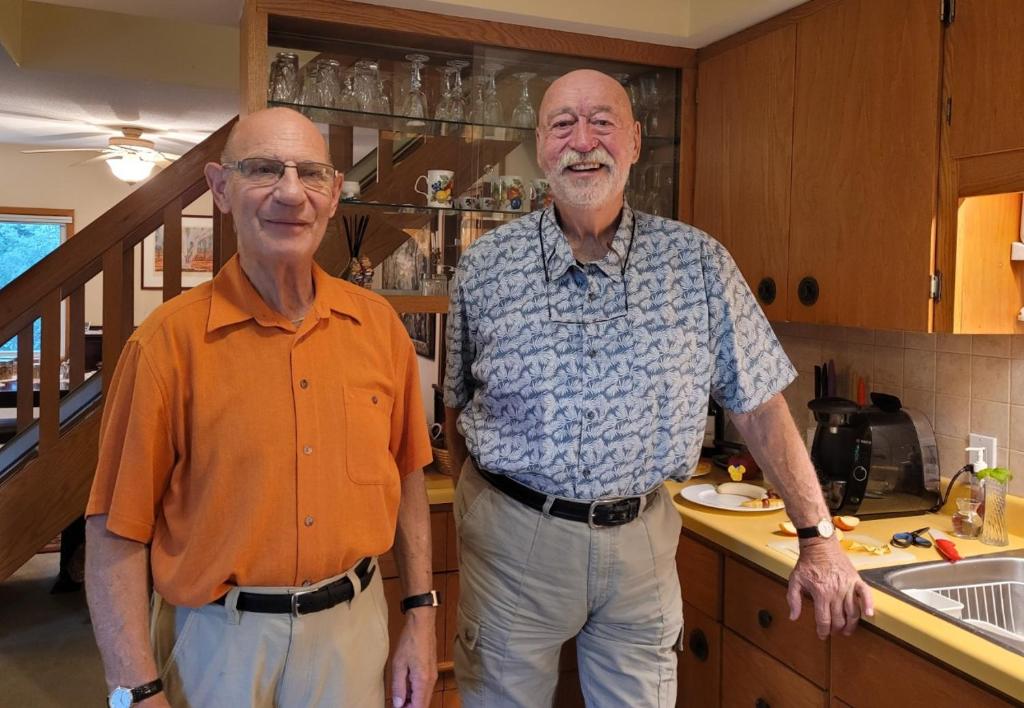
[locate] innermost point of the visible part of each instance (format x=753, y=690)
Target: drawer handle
x=764, y=618
x=699, y=645
x=761, y=703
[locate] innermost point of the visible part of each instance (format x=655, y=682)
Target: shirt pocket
x=368, y=435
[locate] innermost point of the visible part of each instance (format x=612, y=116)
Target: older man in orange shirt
x=262, y=441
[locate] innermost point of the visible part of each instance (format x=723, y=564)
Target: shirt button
x=590, y=415
x=309, y=521
x=303, y=383
x=306, y=583
x=308, y=449
x=586, y=472
x=592, y=353
x=375, y=400
x=592, y=296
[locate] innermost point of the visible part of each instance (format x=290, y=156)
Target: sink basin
x=983, y=594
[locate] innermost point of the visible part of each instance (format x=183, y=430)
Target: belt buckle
x=295, y=600
x=593, y=507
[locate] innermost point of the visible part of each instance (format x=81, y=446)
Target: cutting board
x=860, y=559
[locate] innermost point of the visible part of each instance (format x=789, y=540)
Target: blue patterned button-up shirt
x=593, y=381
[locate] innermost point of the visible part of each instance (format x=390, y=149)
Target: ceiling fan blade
x=30, y=152
x=170, y=156
x=97, y=158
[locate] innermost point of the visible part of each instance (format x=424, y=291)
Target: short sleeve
x=461, y=349
x=136, y=449
x=750, y=365
x=410, y=442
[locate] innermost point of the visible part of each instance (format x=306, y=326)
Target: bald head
x=601, y=89
x=256, y=131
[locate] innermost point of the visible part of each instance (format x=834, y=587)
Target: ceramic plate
x=703, y=468
x=707, y=495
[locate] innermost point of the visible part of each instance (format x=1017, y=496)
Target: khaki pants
x=218, y=656
x=529, y=582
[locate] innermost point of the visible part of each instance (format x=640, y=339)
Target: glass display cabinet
x=434, y=128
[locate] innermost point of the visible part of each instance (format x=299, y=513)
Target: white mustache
x=599, y=155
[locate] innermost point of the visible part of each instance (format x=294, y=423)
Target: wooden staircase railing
x=104, y=246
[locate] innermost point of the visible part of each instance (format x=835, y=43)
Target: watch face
x=120, y=697
x=826, y=528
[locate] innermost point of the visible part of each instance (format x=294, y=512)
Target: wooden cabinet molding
x=700, y=574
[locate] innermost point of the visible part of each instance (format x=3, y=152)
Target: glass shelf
x=395, y=208
x=429, y=126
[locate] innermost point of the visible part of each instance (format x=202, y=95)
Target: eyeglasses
x=265, y=171
x=547, y=279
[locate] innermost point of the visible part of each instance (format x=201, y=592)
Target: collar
x=235, y=300
x=559, y=253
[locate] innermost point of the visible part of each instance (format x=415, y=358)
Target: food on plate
x=846, y=523
x=770, y=500
x=741, y=488
x=703, y=467
x=736, y=472
x=787, y=528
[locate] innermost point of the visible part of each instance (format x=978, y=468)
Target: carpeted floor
x=48, y=657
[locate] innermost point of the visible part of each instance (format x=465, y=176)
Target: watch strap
x=808, y=532
x=426, y=599
x=146, y=690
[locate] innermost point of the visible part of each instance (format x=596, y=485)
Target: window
x=26, y=236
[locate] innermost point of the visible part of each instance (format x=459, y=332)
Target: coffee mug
x=439, y=187
x=540, y=193
x=513, y=194
x=467, y=201
x=486, y=203
x=350, y=190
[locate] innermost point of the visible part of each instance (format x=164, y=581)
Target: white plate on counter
x=707, y=495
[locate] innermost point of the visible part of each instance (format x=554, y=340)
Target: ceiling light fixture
x=130, y=169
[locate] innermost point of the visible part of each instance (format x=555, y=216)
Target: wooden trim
x=49, y=372
x=783, y=19
x=113, y=292
x=76, y=337
x=172, y=250
x=945, y=315
x=37, y=211
x=995, y=173
x=26, y=364
x=687, y=144
x=252, y=65
x=378, y=18
x=437, y=304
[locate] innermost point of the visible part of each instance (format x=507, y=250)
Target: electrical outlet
x=989, y=444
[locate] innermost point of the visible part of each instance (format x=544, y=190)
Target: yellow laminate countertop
x=747, y=535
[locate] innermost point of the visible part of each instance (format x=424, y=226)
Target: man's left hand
x=840, y=596
x=414, y=661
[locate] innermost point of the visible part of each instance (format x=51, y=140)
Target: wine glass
x=523, y=115
x=651, y=103
x=443, y=110
x=414, y=105
x=383, y=103
x=348, y=100
x=457, y=105
x=493, y=110
x=476, y=101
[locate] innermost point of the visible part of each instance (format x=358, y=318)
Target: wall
x=962, y=383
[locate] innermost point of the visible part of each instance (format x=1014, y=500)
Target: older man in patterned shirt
x=583, y=343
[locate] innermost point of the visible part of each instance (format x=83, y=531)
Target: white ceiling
x=76, y=106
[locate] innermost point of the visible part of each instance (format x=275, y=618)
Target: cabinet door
x=744, y=157
x=986, y=71
x=700, y=574
x=753, y=678
x=700, y=663
x=865, y=163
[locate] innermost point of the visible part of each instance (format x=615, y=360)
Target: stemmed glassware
x=348, y=100
x=414, y=105
x=457, y=104
x=443, y=110
x=651, y=103
x=477, y=100
x=523, y=115
x=493, y=111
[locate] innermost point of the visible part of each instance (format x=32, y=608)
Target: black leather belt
x=602, y=512
x=303, y=602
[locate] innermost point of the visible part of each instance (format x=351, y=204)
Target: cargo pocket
x=368, y=431
x=468, y=662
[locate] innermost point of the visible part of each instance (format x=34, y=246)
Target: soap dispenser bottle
x=967, y=520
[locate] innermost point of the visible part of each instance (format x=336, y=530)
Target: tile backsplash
x=963, y=383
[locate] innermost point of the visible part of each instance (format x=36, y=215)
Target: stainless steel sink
x=984, y=594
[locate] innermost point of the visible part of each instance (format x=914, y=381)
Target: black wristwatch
x=427, y=599
x=122, y=697
x=823, y=529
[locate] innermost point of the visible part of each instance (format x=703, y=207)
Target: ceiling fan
x=130, y=156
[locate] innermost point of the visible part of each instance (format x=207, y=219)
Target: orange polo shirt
x=248, y=452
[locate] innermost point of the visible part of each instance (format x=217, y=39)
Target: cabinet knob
x=766, y=290
x=761, y=703
x=699, y=644
x=764, y=618
x=807, y=291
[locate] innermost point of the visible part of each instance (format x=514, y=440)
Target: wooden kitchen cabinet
x=700, y=574
x=763, y=681
x=985, y=70
x=700, y=663
x=865, y=163
x=744, y=159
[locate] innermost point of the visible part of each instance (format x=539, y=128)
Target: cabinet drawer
x=752, y=678
x=700, y=663
x=700, y=575
x=867, y=665
x=756, y=609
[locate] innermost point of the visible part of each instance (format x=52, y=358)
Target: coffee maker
x=876, y=460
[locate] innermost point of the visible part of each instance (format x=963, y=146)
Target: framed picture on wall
x=196, y=254
x=403, y=270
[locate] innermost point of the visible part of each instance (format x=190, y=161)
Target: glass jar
x=967, y=521
x=994, y=531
